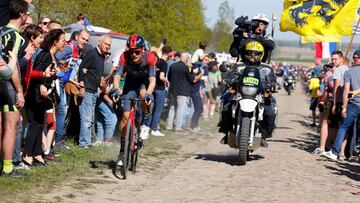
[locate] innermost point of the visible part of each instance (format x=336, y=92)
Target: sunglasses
x=45, y=23
x=256, y=53
x=136, y=52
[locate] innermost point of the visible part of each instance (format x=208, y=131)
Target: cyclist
x=137, y=66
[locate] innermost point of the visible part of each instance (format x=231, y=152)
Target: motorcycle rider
x=254, y=29
x=253, y=52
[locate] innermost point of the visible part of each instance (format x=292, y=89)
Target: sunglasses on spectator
x=355, y=58
x=136, y=52
x=45, y=23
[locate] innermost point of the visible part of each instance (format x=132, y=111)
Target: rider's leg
x=123, y=123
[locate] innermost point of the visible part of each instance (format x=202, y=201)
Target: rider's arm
x=152, y=73
x=119, y=71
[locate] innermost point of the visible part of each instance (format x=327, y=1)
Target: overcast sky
x=249, y=8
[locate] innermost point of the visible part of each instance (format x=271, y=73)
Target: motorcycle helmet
x=261, y=18
x=254, y=52
x=135, y=41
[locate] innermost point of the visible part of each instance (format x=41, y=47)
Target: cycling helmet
x=254, y=51
x=261, y=17
x=135, y=41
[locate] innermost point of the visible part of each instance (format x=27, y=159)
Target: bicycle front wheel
x=135, y=153
x=127, y=149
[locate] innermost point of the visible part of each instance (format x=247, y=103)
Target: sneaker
x=120, y=159
x=21, y=165
x=318, y=151
x=98, y=143
x=157, y=133
x=195, y=130
x=61, y=147
x=14, y=174
x=330, y=155
x=263, y=143
x=342, y=158
x=51, y=157
x=144, y=134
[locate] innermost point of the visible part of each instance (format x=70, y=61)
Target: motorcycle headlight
x=249, y=90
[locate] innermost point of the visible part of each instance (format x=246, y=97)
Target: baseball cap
x=356, y=54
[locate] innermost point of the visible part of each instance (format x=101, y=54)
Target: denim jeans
x=18, y=141
x=177, y=105
x=86, y=109
x=198, y=108
x=159, y=100
x=105, y=120
x=188, y=112
x=352, y=112
x=60, y=116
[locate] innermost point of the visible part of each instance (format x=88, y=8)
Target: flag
x=319, y=17
x=319, y=38
x=323, y=50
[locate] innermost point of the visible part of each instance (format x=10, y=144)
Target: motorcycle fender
x=248, y=105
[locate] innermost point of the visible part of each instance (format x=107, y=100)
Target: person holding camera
x=251, y=30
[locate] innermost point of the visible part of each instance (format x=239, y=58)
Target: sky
x=249, y=8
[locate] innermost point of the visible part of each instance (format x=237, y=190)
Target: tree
x=182, y=22
x=222, y=36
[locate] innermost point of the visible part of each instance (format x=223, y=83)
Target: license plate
x=250, y=80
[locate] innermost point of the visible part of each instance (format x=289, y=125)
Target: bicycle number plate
x=250, y=80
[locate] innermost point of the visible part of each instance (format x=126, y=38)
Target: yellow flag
x=319, y=38
x=319, y=17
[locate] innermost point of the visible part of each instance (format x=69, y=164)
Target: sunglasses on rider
x=136, y=52
x=255, y=53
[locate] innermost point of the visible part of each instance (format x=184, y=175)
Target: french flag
x=323, y=50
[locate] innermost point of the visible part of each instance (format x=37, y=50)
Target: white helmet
x=261, y=17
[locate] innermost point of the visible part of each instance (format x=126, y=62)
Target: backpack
x=4, y=73
x=2, y=34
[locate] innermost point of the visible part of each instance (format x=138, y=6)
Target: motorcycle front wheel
x=244, y=140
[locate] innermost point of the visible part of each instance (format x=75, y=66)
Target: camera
x=244, y=25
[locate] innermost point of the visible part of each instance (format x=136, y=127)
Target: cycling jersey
x=136, y=75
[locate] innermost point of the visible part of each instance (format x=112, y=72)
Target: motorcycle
x=289, y=84
x=247, y=108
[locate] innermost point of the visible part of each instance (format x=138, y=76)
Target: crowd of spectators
x=52, y=89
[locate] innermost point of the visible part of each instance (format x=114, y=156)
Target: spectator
x=213, y=84
x=350, y=107
x=43, y=23
x=40, y=100
x=90, y=76
x=199, y=53
x=54, y=24
x=180, y=79
x=196, y=96
x=159, y=92
x=11, y=89
x=79, y=25
x=72, y=54
x=314, y=85
x=105, y=118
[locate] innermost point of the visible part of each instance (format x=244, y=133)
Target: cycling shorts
x=8, y=97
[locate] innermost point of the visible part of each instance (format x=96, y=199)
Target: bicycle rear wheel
x=127, y=150
x=135, y=153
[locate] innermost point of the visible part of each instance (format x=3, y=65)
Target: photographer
x=251, y=30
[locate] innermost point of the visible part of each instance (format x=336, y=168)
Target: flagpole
x=272, y=34
x=352, y=38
